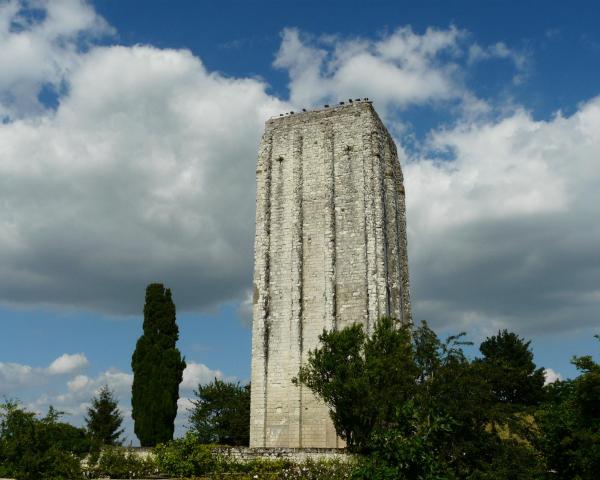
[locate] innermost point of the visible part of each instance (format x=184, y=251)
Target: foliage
x=419, y=408
x=157, y=369
x=508, y=366
x=185, y=456
x=38, y=448
x=410, y=450
x=118, y=462
x=346, y=373
x=316, y=470
x=104, y=418
x=569, y=424
x=221, y=413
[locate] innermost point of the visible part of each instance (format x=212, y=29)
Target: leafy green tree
x=417, y=405
x=104, y=418
x=37, y=448
x=336, y=372
x=157, y=369
x=508, y=365
x=347, y=372
x=221, y=413
x=587, y=389
x=569, y=424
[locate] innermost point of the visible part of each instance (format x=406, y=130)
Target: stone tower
x=330, y=251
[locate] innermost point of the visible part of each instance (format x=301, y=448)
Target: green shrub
x=37, y=448
x=118, y=462
x=185, y=457
x=276, y=469
x=319, y=470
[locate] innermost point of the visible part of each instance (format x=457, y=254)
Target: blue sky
x=127, y=146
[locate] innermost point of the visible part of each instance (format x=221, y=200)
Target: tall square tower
x=330, y=251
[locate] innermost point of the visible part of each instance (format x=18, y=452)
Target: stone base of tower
x=312, y=430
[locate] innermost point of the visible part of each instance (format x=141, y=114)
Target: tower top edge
x=326, y=111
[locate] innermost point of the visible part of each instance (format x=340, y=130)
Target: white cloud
x=551, y=376
x=80, y=389
x=197, y=373
x=400, y=69
x=144, y=173
x=76, y=398
x=14, y=376
x=505, y=234
x=520, y=59
x=41, y=50
x=67, y=364
x=78, y=383
x=244, y=311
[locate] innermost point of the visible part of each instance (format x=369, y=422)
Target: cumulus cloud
x=551, y=376
x=145, y=172
x=505, y=234
x=244, y=310
x=520, y=59
x=198, y=373
x=66, y=364
x=41, y=42
x=15, y=376
x=75, y=399
x=401, y=69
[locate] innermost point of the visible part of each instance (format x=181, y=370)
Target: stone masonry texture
x=330, y=251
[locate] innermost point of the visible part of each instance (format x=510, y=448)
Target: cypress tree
x=157, y=370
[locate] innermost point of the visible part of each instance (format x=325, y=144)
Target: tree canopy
x=419, y=408
x=221, y=413
x=33, y=448
x=508, y=366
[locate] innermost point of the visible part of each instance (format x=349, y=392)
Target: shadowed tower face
x=330, y=251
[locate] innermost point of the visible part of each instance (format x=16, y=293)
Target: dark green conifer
x=104, y=418
x=157, y=370
x=509, y=369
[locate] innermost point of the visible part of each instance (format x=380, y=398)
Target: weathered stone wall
x=330, y=250
x=297, y=455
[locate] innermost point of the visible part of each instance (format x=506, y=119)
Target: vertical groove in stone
x=397, y=181
x=379, y=260
x=330, y=233
x=296, y=346
x=399, y=314
x=372, y=243
x=403, y=267
x=263, y=260
x=365, y=225
x=381, y=159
